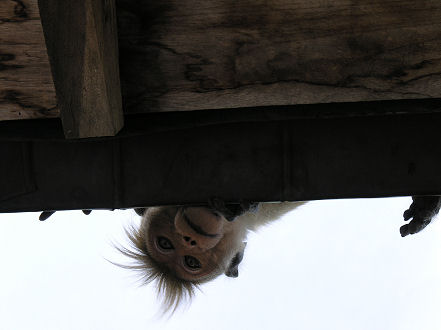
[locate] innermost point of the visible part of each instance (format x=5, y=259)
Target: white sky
x=330, y=265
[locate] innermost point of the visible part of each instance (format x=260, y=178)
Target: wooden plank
x=219, y=54
x=155, y=122
x=26, y=87
x=205, y=54
x=82, y=43
x=269, y=160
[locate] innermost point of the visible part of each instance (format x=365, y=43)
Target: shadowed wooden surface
x=202, y=54
x=175, y=158
x=26, y=87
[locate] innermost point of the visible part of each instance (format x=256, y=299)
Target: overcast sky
x=329, y=265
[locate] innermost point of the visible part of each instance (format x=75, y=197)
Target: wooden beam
x=215, y=54
x=82, y=43
x=210, y=54
x=251, y=154
x=26, y=86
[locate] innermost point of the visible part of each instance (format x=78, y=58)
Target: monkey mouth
x=198, y=229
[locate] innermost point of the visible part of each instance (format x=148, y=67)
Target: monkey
x=182, y=247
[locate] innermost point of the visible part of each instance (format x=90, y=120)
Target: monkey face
x=194, y=244
x=199, y=227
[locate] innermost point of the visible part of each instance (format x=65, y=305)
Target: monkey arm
x=422, y=210
x=268, y=212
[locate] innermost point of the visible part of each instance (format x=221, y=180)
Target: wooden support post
x=82, y=43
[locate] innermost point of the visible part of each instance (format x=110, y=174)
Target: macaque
x=183, y=247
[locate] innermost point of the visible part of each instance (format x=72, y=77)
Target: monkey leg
x=47, y=214
x=422, y=210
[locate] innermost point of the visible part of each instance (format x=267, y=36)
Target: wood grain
x=26, y=87
x=201, y=54
x=82, y=43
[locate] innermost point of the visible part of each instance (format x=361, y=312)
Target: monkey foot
x=422, y=210
x=47, y=214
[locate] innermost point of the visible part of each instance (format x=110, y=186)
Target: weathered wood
x=26, y=87
x=82, y=42
x=190, y=55
x=201, y=54
x=269, y=160
x=155, y=122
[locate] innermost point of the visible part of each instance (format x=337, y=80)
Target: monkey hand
x=422, y=210
x=231, y=210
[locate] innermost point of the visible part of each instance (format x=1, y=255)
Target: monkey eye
x=192, y=262
x=164, y=243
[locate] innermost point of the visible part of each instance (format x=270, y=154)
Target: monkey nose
x=190, y=241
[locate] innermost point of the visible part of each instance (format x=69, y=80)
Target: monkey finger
x=413, y=227
x=45, y=215
x=408, y=214
x=87, y=212
x=404, y=230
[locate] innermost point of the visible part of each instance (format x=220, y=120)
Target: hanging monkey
x=182, y=247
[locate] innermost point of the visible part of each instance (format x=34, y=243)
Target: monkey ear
x=233, y=268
